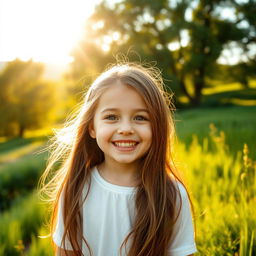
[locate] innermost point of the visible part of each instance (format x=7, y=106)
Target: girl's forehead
x=121, y=95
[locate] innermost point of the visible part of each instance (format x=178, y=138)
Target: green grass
x=216, y=86
x=18, y=143
x=40, y=246
x=222, y=183
x=21, y=224
x=223, y=188
x=237, y=122
x=20, y=177
x=242, y=97
x=13, y=155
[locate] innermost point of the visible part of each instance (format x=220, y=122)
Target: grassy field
x=237, y=122
x=218, y=168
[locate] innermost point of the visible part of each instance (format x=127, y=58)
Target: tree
x=26, y=100
x=246, y=19
x=209, y=33
x=186, y=38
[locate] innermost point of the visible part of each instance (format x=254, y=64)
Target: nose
x=125, y=128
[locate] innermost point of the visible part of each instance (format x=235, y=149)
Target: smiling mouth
x=125, y=144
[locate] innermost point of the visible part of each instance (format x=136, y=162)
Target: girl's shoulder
x=181, y=190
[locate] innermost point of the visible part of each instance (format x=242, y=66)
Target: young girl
x=116, y=191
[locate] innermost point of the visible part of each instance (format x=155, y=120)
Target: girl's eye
x=141, y=118
x=111, y=117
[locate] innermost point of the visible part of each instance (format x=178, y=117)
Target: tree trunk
x=21, y=131
x=199, y=85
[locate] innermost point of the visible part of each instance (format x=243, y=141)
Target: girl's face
x=121, y=125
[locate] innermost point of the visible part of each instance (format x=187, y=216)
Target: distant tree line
x=184, y=37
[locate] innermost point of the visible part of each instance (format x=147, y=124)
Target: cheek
x=104, y=133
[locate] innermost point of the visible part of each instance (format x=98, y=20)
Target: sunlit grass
x=238, y=124
x=222, y=88
x=47, y=131
x=223, y=188
x=15, y=144
x=19, y=152
x=219, y=94
x=19, y=178
x=240, y=102
x=218, y=87
x=20, y=223
x=41, y=246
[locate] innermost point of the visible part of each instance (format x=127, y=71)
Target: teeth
x=125, y=144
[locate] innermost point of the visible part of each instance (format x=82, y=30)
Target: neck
x=120, y=174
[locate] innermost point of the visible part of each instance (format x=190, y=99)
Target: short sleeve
x=59, y=230
x=183, y=237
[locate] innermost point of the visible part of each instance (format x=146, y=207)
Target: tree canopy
x=185, y=38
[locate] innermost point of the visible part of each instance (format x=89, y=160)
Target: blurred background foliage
x=185, y=39
x=215, y=117
x=27, y=101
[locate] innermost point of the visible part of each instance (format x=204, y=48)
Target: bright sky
x=44, y=30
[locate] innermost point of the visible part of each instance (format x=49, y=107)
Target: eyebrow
x=116, y=109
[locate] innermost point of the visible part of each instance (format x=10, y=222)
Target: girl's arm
x=61, y=252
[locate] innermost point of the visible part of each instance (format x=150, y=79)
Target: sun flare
x=42, y=30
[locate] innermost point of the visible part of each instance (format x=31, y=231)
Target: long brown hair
x=76, y=153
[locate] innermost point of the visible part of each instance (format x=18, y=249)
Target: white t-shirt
x=108, y=214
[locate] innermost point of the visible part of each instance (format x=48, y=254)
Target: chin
x=125, y=161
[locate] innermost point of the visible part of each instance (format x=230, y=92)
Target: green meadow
x=217, y=156
x=215, y=152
